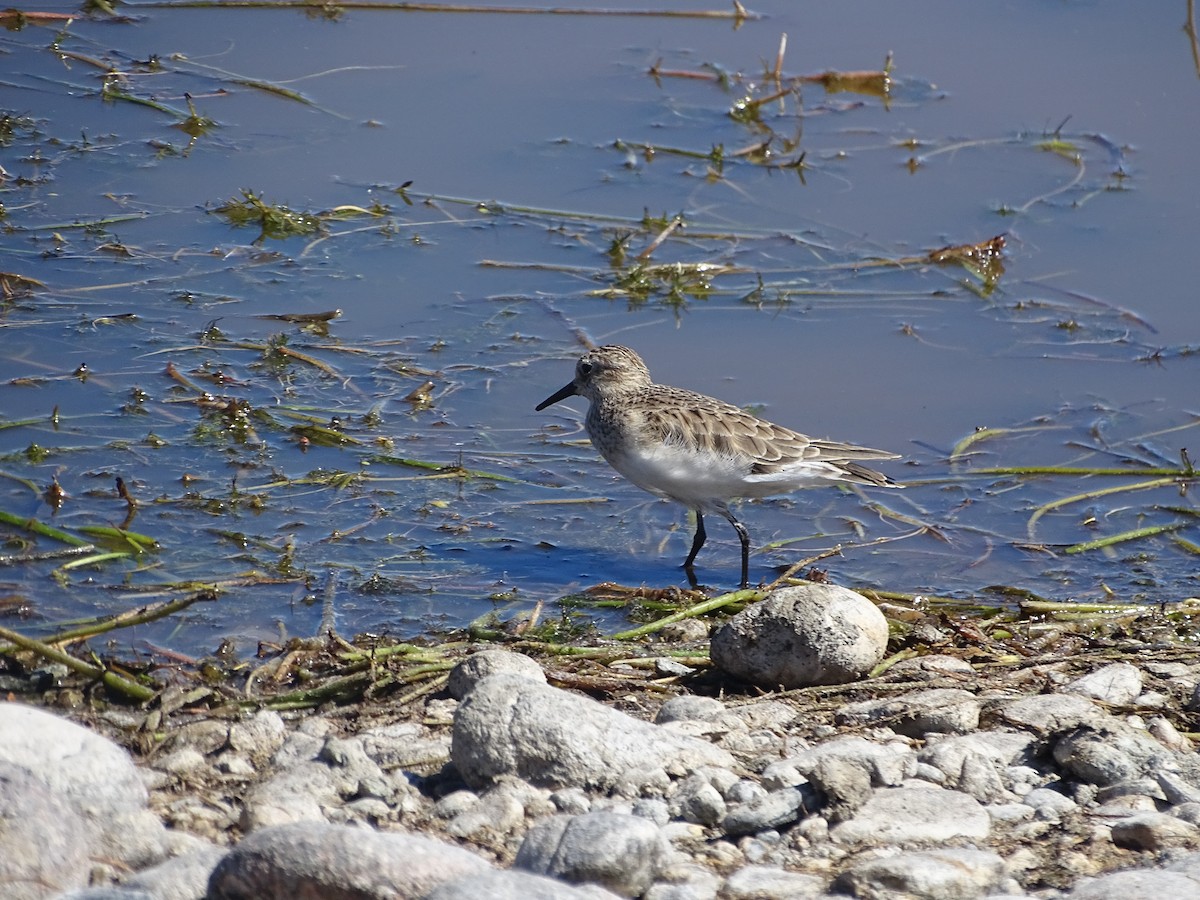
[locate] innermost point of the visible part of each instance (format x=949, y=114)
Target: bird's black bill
x=561, y=394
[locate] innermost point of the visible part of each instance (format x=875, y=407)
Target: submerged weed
x=273, y=220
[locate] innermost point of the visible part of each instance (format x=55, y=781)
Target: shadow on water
x=274, y=322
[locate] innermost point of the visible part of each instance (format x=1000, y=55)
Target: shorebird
x=700, y=451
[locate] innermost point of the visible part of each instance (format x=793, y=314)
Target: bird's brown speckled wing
x=711, y=425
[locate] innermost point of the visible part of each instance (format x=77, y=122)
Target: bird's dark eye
x=585, y=369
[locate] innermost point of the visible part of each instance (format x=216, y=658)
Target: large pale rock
x=310, y=860
x=91, y=772
x=622, y=853
x=918, y=713
x=1136, y=884
x=492, y=661
x=497, y=884
x=509, y=725
x=93, y=776
x=950, y=874
x=44, y=843
x=1110, y=754
x=1117, y=684
x=803, y=635
x=909, y=815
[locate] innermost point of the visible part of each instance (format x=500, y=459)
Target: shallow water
x=1088, y=340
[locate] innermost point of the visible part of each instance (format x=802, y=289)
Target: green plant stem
x=110, y=679
x=698, y=609
x=43, y=529
x=1092, y=495
x=1075, y=471
x=1124, y=536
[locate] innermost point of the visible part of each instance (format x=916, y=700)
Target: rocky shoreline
x=1053, y=777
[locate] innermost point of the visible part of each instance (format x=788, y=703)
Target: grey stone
x=90, y=772
x=696, y=800
x=1048, y=714
x=845, y=784
x=652, y=808
x=802, y=635
x=1163, y=731
x=499, y=812
x=918, y=713
x=258, y=737
x=979, y=778
x=905, y=815
x=466, y=674
x=687, y=881
x=455, y=803
x=950, y=752
x=887, y=764
x=182, y=762
x=336, y=862
x=497, y=884
x=1010, y=813
x=44, y=842
x=774, y=810
x=1154, y=831
x=297, y=794
x=1110, y=754
x=179, y=878
x=1187, y=865
x=1189, y=812
x=509, y=725
x=1136, y=883
x=622, y=853
x=687, y=707
x=1049, y=803
x=746, y=791
x=951, y=874
x=571, y=800
x=1176, y=790
x=771, y=883
x=1137, y=786
x=1117, y=684
x=933, y=666
x=404, y=746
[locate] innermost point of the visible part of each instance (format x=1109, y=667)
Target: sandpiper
x=700, y=451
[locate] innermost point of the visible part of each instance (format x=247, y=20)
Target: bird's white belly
x=698, y=478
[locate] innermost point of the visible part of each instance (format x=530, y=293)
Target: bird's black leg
x=697, y=543
x=744, y=537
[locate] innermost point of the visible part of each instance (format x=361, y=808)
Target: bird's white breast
x=698, y=478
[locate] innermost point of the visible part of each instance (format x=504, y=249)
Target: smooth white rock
x=1154, y=831
x=917, y=713
x=771, y=883
x=621, y=853
x=1117, y=684
x=510, y=725
x=802, y=635
x=950, y=874
x=311, y=859
x=497, y=884
x=911, y=814
x=1137, y=884
x=492, y=661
